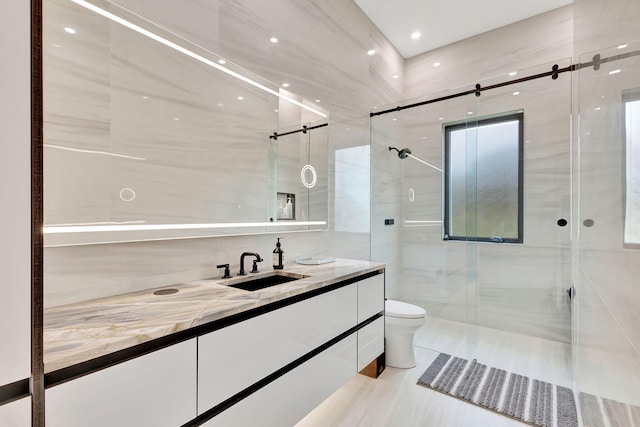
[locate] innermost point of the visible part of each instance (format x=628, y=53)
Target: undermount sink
x=265, y=280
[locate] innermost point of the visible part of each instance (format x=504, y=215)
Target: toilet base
x=399, y=352
x=399, y=342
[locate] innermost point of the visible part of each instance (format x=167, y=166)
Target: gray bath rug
x=595, y=410
x=528, y=400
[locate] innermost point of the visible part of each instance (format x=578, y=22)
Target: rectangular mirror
x=149, y=136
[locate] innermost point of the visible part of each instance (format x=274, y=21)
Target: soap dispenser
x=278, y=256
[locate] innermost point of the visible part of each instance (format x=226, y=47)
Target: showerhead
x=401, y=153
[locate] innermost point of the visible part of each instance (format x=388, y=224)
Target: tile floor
x=395, y=400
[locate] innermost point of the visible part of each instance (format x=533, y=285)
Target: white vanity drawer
x=158, y=389
x=16, y=414
x=233, y=358
x=291, y=397
x=370, y=297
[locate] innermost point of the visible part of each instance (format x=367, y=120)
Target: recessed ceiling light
x=440, y=118
x=240, y=98
x=273, y=40
x=622, y=46
x=394, y=119
x=614, y=72
x=145, y=97
x=424, y=137
x=69, y=30
x=371, y=52
x=276, y=110
x=177, y=119
x=395, y=76
x=285, y=84
x=436, y=64
x=516, y=93
x=220, y=104
x=513, y=73
x=221, y=61
x=348, y=128
x=470, y=112
x=597, y=108
x=416, y=35
x=317, y=100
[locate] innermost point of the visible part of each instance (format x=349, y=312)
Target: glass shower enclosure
x=516, y=207
x=481, y=238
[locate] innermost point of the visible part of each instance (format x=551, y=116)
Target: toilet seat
x=402, y=310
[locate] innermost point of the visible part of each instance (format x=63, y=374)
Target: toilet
x=401, y=320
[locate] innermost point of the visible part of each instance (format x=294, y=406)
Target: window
x=483, y=179
x=631, y=197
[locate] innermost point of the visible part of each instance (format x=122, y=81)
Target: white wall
x=15, y=191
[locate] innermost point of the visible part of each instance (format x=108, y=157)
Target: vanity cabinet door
x=289, y=398
x=370, y=297
x=233, y=358
x=155, y=390
x=370, y=342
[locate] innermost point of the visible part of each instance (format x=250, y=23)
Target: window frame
x=475, y=123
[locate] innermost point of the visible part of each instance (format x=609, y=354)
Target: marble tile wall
x=608, y=298
x=322, y=54
x=528, y=43
x=519, y=288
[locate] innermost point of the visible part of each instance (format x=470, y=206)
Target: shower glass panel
x=523, y=269
x=422, y=269
x=607, y=262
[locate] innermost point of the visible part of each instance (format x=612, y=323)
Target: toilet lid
x=403, y=310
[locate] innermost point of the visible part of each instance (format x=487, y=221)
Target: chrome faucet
x=255, y=262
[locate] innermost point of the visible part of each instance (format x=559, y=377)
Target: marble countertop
x=82, y=331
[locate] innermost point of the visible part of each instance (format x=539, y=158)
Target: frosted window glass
x=483, y=180
x=632, y=138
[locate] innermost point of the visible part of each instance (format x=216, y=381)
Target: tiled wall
x=519, y=288
x=322, y=54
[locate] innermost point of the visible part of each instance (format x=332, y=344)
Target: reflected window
x=352, y=192
x=631, y=101
x=483, y=179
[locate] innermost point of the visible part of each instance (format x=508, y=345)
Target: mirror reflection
x=149, y=136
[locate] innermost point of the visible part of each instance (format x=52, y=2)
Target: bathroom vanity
x=210, y=354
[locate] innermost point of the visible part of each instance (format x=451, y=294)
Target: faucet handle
x=255, y=265
x=227, y=272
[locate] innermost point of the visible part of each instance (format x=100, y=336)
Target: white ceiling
x=442, y=22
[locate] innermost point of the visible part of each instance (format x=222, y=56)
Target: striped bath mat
x=596, y=409
x=531, y=401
